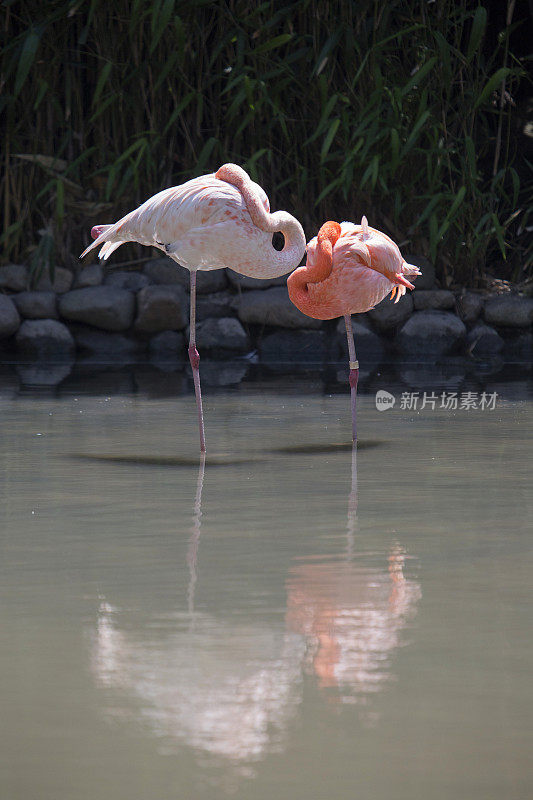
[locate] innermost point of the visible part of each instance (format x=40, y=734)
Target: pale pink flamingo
x=214, y=221
x=350, y=268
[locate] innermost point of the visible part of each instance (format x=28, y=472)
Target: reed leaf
x=26, y=59
x=492, y=84
x=479, y=23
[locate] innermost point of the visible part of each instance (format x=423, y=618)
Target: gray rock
x=361, y=319
x=9, y=317
x=133, y=281
x=161, y=308
x=469, y=306
x=509, y=390
x=509, y=310
x=427, y=279
x=62, y=281
x=293, y=347
x=43, y=374
x=432, y=377
x=368, y=345
x=433, y=298
x=213, y=280
x=220, y=373
x=244, y=282
x=165, y=271
x=91, y=275
x=273, y=307
x=14, y=277
x=483, y=340
x=9, y=382
x=430, y=334
x=101, y=306
x=219, y=304
x=103, y=345
x=36, y=305
x=222, y=334
x=163, y=378
x=45, y=339
x=487, y=367
x=388, y=315
x=519, y=348
x=168, y=344
x=97, y=378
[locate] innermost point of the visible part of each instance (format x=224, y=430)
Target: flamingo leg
x=354, y=372
x=194, y=358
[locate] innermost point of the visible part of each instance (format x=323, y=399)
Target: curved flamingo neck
x=326, y=238
x=236, y=176
x=320, y=270
x=323, y=262
x=294, y=247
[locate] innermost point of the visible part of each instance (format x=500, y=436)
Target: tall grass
x=338, y=109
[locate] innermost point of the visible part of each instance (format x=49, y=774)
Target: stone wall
x=118, y=315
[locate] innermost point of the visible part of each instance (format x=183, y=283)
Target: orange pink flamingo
x=350, y=268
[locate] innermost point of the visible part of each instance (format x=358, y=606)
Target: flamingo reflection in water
x=229, y=689
x=352, y=615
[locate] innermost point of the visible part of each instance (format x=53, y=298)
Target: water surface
x=290, y=619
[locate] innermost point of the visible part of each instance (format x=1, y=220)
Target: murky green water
x=292, y=622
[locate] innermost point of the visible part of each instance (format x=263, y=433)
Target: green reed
x=339, y=109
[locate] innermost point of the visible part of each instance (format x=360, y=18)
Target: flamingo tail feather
x=104, y=235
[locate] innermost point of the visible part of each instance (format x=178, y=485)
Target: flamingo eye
x=278, y=241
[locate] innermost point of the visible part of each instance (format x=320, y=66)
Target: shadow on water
x=220, y=460
x=227, y=460
x=324, y=449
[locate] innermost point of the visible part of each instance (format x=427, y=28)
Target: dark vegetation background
x=418, y=114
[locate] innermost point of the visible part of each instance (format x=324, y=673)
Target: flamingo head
x=238, y=177
x=326, y=238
